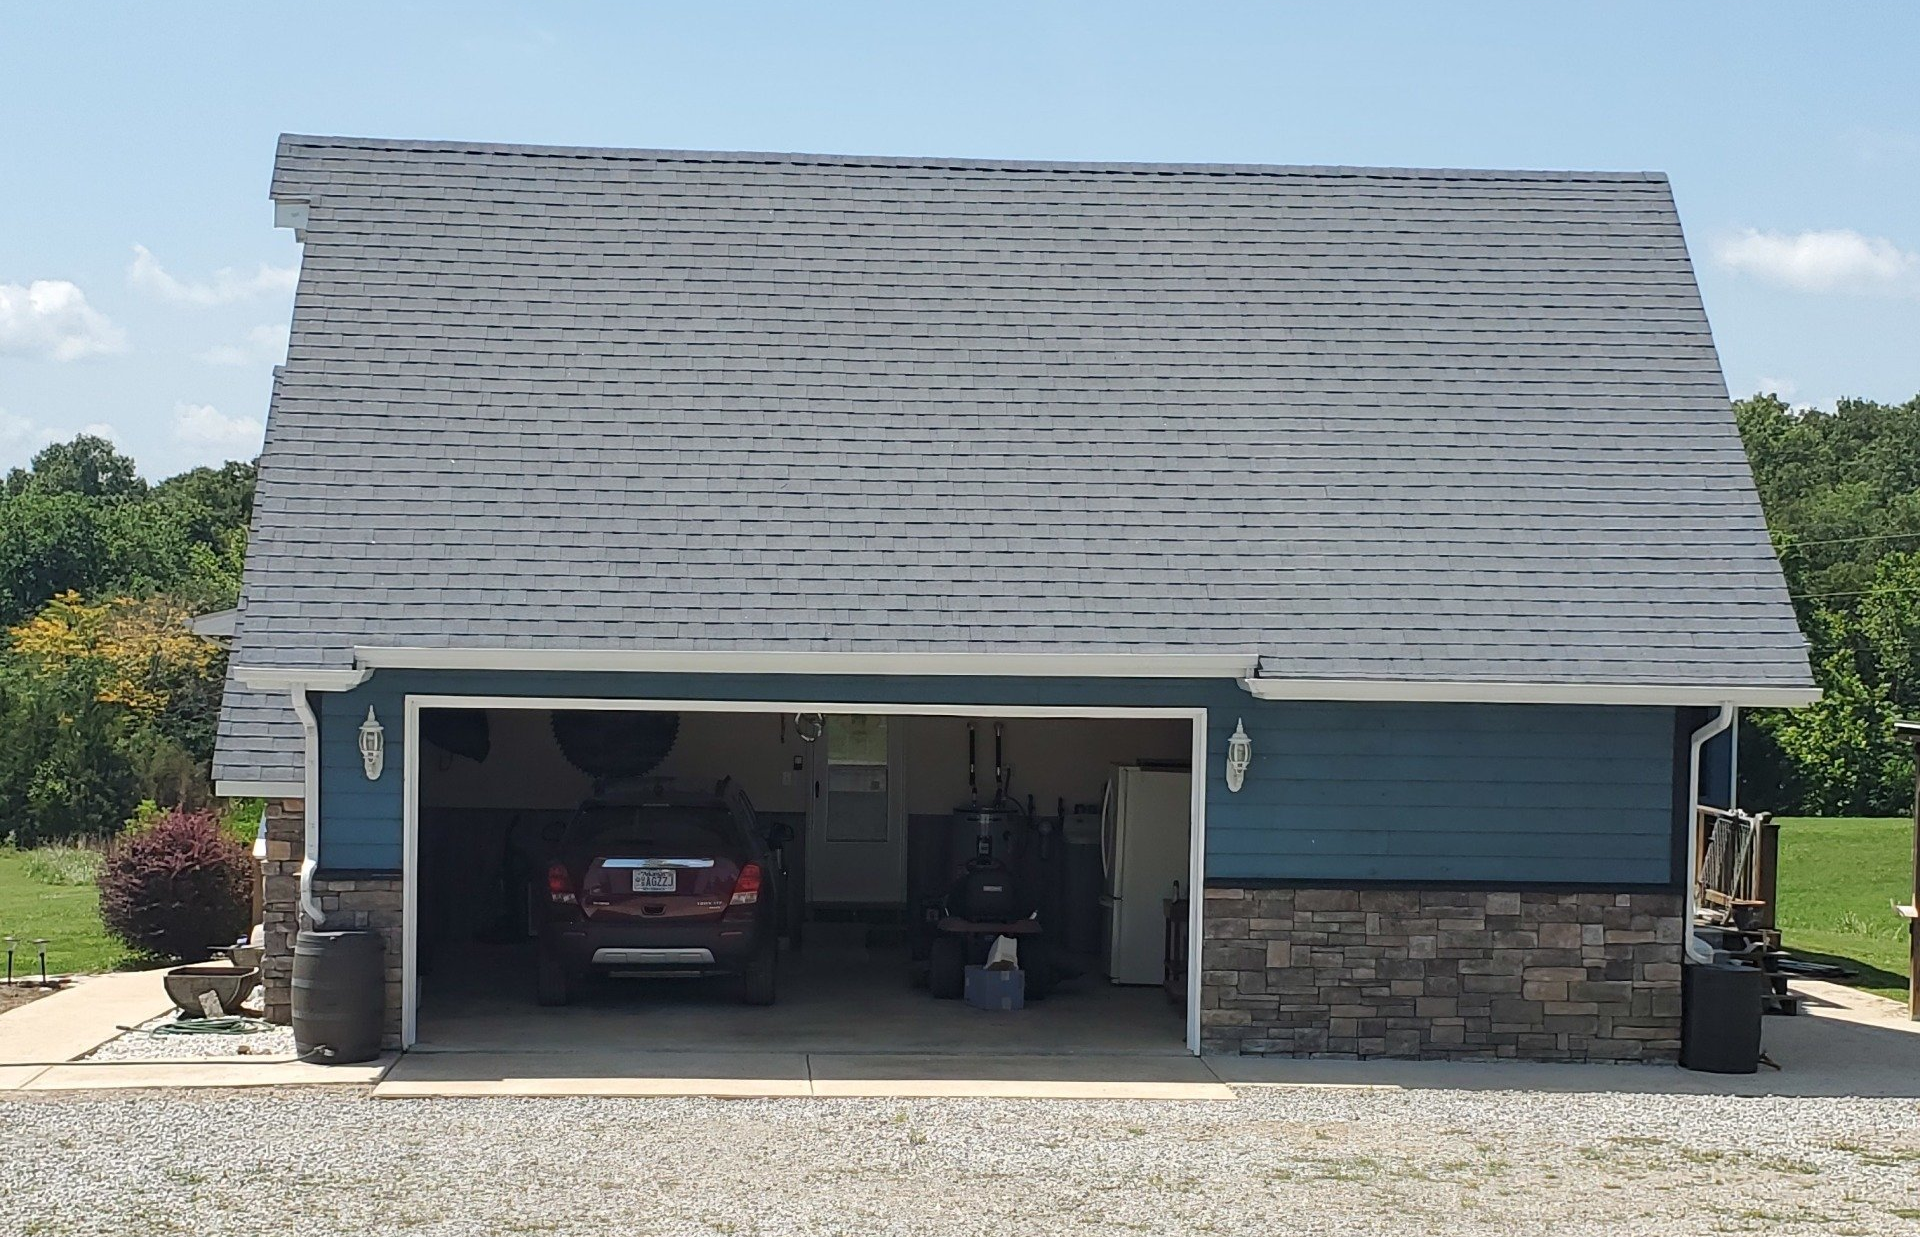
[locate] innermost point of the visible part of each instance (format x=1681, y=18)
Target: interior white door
x=856, y=826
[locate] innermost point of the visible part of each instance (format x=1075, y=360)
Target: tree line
x=1841, y=490
x=109, y=701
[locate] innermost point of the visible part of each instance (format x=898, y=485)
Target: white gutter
x=258, y=790
x=283, y=678
x=761, y=661
x=310, y=849
x=1525, y=693
x=1697, y=949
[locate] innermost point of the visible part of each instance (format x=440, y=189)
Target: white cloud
x=203, y=425
x=51, y=318
x=1785, y=388
x=1836, y=260
x=226, y=286
x=22, y=437
x=264, y=345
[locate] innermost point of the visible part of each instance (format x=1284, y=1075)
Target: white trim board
x=1392, y=691
x=1239, y=667
x=763, y=661
x=258, y=790
x=410, y=801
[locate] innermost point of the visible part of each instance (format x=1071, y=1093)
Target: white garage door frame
x=410, y=799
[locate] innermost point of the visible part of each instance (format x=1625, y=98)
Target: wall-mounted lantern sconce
x=1239, y=756
x=373, y=746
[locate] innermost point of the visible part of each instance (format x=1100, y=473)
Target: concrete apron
x=774, y=1075
x=1849, y=1043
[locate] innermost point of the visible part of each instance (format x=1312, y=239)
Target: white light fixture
x=1239, y=756
x=373, y=746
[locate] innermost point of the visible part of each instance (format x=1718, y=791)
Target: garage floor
x=836, y=996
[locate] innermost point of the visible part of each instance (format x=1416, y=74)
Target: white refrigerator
x=1143, y=851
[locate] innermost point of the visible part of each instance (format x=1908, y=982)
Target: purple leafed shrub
x=177, y=887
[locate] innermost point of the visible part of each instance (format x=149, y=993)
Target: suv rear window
x=690, y=831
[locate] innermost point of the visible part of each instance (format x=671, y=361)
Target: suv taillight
x=746, y=890
x=560, y=885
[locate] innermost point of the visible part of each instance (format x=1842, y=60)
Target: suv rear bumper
x=706, y=948
x=616, y=956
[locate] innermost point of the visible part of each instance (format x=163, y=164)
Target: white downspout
x=310, y=849
x=1697, y=949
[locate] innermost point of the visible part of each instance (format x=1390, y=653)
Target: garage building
x=1370, y=552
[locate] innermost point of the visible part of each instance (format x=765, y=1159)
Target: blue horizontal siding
x=1338, y=791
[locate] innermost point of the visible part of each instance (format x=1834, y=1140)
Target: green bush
x=241, y=818
x=62, y=865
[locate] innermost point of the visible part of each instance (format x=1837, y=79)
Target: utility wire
x=1792, y=544
x=1860, y=592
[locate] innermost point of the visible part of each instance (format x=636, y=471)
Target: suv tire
x=552, y=984
x=759, y=982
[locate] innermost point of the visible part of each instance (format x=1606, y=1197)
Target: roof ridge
x=806, y=159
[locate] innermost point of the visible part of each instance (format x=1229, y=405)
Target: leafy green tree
x=209, y=503
x=51, y=542
x=105, y=696
x=64, y=770
x=1890, y=626
x=89, y=466
x=1841, y=490
x=1841, y=758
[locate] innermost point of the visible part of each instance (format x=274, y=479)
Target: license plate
x=655, y=880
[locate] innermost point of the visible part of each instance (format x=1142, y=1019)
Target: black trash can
x=339, y=996
x=1721, y=1007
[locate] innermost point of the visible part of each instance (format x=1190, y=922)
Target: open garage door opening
x=821, y=881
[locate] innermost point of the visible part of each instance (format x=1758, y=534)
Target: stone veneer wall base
x=356, y=904
x=1438, y=973
x=285, y=825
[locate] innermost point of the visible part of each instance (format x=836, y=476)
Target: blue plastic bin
x=1002, y=989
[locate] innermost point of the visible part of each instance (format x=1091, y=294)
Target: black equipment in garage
x=615, y=742
x=458, y=732
x=996, y=891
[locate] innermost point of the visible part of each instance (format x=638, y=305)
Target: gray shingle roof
x=258, y=741
x=1367, y=423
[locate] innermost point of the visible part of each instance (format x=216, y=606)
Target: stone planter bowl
x=229, y=984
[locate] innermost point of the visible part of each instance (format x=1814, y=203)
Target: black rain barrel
x=339, y=996
x=1721, y=1006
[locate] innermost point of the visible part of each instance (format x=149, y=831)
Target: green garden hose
x=211, y=1026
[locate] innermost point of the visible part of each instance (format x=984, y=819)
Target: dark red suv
x=647, y=881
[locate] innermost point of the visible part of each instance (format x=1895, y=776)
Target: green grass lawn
x=1838, y=880
x=67, y=915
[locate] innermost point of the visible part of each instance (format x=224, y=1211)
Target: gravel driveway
x=1274, y=1161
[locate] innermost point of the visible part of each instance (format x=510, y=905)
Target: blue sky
x=144, y=290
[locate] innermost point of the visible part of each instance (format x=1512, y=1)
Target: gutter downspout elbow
x=1697, y=950
x=310, y=848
